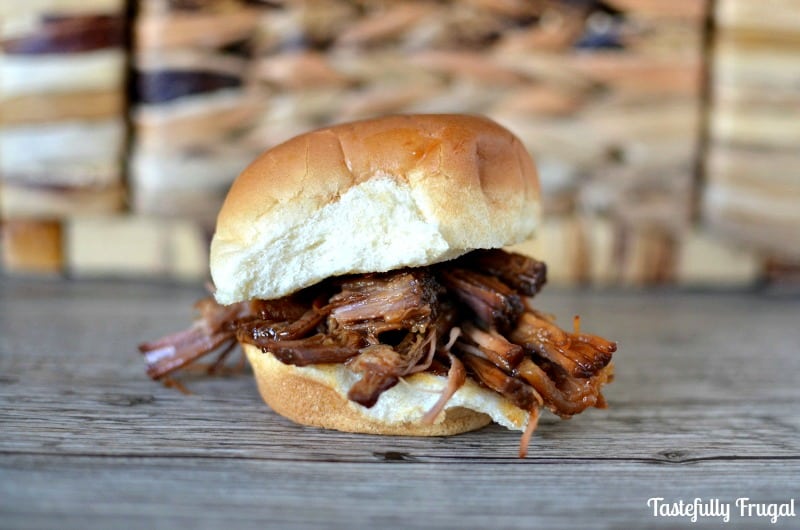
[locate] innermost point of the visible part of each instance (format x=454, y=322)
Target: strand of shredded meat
x=470, y=318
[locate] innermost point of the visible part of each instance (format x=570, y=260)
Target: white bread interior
x=317, y=396
x=372, y=196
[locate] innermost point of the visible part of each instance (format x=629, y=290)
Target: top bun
x=372, y=196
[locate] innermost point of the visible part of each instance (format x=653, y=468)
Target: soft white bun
x=372, y=196
x=317, y=396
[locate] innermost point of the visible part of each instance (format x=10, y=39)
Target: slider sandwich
x=360, y=267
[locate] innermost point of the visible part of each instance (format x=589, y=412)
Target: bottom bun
x=317, y=396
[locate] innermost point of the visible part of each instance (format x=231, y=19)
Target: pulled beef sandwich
x=360, y=268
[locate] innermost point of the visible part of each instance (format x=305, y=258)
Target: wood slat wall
x=62, y=94
x=191, y=103
x=753, y=164
x=608, y=96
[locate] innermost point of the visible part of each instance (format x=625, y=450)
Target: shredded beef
x=377, y=303
x=494, y=346
x=580, y=355
x=522, y=273
x=385, y=326
x=316, y=349
x=492, y=302
x=515, y=390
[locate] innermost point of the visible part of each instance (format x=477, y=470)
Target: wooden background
x=705, y=404
x=666, y=133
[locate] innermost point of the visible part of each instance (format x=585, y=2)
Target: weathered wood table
x=705, y=406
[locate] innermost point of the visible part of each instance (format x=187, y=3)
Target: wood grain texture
x=704, y=405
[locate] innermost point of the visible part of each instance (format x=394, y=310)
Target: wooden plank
x=758, y=65
x=20, y=199
x=704, y=404
x=142, y=420
x=136, y=247
x=680, y=9
x=755, y=127
x=31, y=246
x=772, y=17
x=198, y=122
x=710, y=261
x=53, y=107
x=92, y=492
x=181, y=30
x=101, y=376
x=60, y=7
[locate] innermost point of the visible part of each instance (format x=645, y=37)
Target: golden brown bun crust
x=471, y=151
x=309, y=402
x=370, y=196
